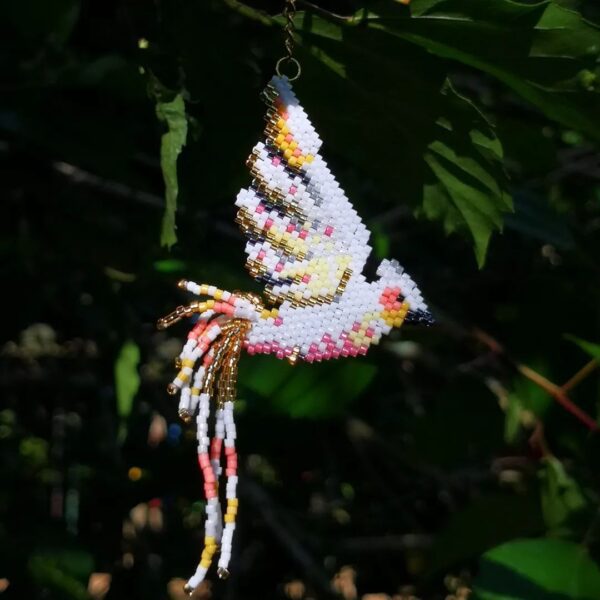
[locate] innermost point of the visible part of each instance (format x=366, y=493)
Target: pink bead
x=259, y=348
x=250, y=349
x=276, y=160
x=356, y=327
x=203, y=460
x=268, y=223
x=229, y=450
x=305, y=278
x=290, y=228
x=293, y=189
x=302, y=235
x=280, y=354
x=370, y=331
x=260, y=209
x=288, y=138
x=230, y=472
x=278, y=321
x=279, y=267
x=297, y=152
x=261, y=255
x=328, y=230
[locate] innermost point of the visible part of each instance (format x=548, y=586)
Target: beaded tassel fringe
x=215, y=341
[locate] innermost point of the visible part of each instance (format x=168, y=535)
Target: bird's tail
x=392, y=275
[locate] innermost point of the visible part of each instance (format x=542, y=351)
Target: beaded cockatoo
x=309, y=247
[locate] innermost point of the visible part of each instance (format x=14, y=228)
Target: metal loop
x=285, y=60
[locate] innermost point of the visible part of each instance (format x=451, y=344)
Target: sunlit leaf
x=545, y=52
x=544, y=569
x=172, y=113
x=127, y=379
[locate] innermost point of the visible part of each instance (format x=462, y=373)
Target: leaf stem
x=559, y=395
x=555, y=391
x=251, y=13
x=580, y=375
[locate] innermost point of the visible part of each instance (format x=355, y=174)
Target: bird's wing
x=305, y=241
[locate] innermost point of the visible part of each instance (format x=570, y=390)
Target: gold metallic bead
x=185, y=415
x=222, y=573
x=293, y=357
x=178, y=362
x=172, y=389
x=182, y=284
x=188, y=589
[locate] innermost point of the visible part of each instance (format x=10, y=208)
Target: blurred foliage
x=459, y=461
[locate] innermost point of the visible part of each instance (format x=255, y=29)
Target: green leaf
x=64, y=571
x=172, y=113
x=127, y=379
x=307, y=390
x=588, y=347
x=546, y=53
x=470, y=193
x=564, y=504
x=540, y=569
x=407, y=127
x=486, y=522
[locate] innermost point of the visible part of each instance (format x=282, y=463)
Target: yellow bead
x=235, y=501
x=231, y=510
x=205, y=564
x=210, y=540
x=183, y=376
x=287, y=153
x=279, y=139
x=293, y=145
x=292, y=161
x=300, y=160
x=285, y=130
x=284, y=145
x=280, y=124
x=309, y=158
x=229, y=518
x=218, y=294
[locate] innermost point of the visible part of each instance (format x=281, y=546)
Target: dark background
x=446, y=463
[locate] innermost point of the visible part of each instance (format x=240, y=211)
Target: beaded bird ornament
x=308, y=246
